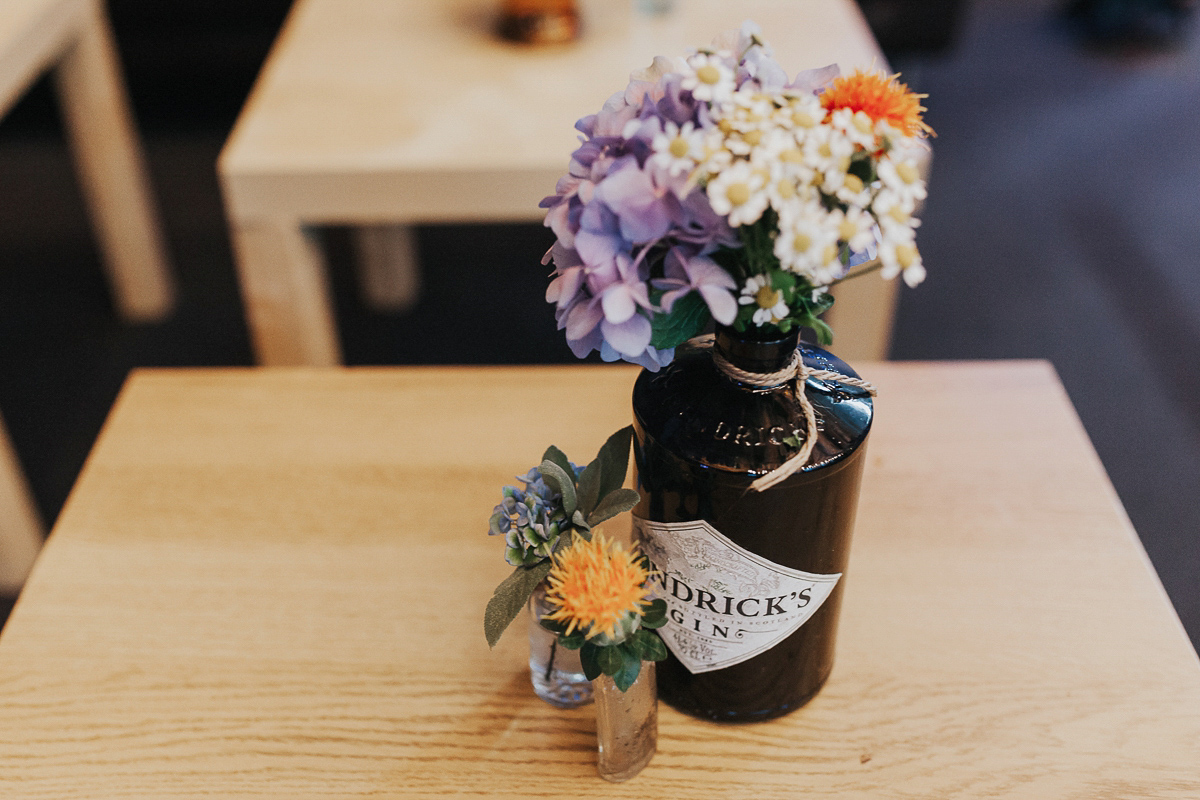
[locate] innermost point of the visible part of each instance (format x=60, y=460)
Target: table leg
x=388, y=270
x=20, y=527
x=862, y=318
x=286, y=293
x=112, y=171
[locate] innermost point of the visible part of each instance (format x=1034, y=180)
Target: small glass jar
x=555, y=671
x=626, y=725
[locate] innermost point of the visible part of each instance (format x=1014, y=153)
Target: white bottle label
x=724, y=603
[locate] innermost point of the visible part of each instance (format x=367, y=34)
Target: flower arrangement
x=713, y=188
x=558, y=505
x=603, y=609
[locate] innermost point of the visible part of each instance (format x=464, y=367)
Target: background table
x=271, y=583
x=370, y=112
x=72, y=37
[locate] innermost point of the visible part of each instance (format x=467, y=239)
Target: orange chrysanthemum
x=595, y=585
x=880, y=97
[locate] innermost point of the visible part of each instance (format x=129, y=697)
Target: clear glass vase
x=626, y=725
x=555, y=672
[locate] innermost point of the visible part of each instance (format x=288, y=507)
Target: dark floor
x=1063, y=223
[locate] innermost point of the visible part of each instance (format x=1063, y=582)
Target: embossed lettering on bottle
x=725, y=604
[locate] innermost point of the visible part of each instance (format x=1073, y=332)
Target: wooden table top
x=271, y=583
x=415, y=111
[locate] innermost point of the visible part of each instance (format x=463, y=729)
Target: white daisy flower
x=857, y=127
x=800, y=113
x=716, y=155
x=899, y=255
x=893, y=208
x=770, y=306
x=738, y=193
x=828, y=152
x=678, y=149
x=806, y=242
x=853, y=192
x=902, y=177
x=855, y=227
x=708, y=78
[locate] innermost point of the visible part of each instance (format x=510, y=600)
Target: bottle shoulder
x=698, y=413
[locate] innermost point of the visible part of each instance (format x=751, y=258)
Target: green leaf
x=610, y=659
x=631, y=667
x=588, y=658
x=617, y=502
x=655, y=615
x=510, y=597
x=652, y=646
x=558, y=457
x=572, y=642
x=823, y=331
x=588, y=491
x=558, y=480
x=689, y=316
x=613, y=459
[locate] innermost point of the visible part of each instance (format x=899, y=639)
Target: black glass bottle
x=701, y=439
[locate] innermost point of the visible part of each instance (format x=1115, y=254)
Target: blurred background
x=1063, y=223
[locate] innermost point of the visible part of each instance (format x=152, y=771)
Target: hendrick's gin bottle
x=753, y=579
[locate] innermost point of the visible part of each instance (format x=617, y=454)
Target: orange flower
x=878, y=96
x=595, y=585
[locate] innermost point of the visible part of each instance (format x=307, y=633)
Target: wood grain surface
x=270, y=583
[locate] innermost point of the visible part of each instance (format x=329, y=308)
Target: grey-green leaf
x=589, y=487
x=558, y=457
x=616, y=502
x=510, y=597
x=558, y=480
x=614, y=461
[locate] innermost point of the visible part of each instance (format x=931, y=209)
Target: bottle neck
x=755, y=351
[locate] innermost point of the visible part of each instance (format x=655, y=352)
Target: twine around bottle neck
x=798, y=371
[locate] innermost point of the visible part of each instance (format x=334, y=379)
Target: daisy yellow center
x=829, y=254
x=899, y=214
x=752, y=138
x=766, y=297
x=854, y=183
x=737, y=193
x=709, y=74
x=803, y=119
x=825, y=151
x=862, y=122
x=906, y=255
x=785, y=189
x=792, y=156
x=801, y=242
x=594, y=585
x=847, y=230
x=679, y=147
x=907, y=172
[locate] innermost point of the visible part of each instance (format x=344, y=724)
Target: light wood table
x=271, y=583
x=376, y=112
x=72, y=37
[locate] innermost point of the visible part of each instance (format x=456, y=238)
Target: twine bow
x=800, y=372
